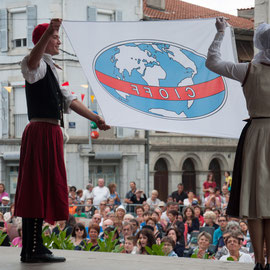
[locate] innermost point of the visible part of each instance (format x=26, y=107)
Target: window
x=20, y=111
x=19, y=29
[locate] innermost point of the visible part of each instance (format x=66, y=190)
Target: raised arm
x=40, y=48
x=236, y=71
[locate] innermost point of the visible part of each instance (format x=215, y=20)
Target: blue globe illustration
x=150, y=68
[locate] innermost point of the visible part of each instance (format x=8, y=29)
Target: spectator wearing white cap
x=120, y=212
x=3, y=192
x=5, y=204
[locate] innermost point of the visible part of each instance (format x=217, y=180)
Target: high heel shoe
x=258, y=266
x=267, y=266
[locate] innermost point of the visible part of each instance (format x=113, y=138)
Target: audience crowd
x=186, y=225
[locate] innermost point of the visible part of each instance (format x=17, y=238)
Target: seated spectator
x=139, y=197
x=3, y=228
x=160, y=226
x=198, y=214
x=17, y=241
x=72, y=206
x=87, y=194
x=126, y=231
x=176, y=236
x=89, y=208
x=110, y=229
x=153, y=201
x=145, y=237
x=213, y=200
x=78, y=236
x=179, y=195
x=209, y=219
x=113, y=194
x=107, y=223
x=61, y=225
x=153, y=223
x=244, y=230
x=209, y=183
x=93, y=232
x=190, y=200
x=102, y=206
x=169, y=199
x=168, y=247
x=228, y=180
x=3, y=192
x=146, y=206
x=79, y=213
x=181, y=217
x=73, y=195
x=146, y=215
x=120, y=212
x=5, y=206
x=79, y=194
x=222, y=221
x=233, y=244
x=162, y=207
x=11, y=219
x=202, y=252
x=174, y=222
x=107, y=210
x=135, y=226
x=128, y=218
x=139, y=213
x=170, y=206
x=190, y=220
x=130, y=245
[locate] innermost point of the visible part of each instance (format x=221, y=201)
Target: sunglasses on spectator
x=103, y=204
x=78, y=229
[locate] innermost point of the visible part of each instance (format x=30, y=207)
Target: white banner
x=152, y=75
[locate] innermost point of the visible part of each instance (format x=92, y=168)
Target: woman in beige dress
x=251, y=174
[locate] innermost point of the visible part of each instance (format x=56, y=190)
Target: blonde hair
x=206, y=235
x=210, y=214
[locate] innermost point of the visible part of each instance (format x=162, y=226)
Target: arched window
x=214, y=166
x=189, y=175
x=161, y=179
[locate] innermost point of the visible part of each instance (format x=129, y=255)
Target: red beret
x=38, y=32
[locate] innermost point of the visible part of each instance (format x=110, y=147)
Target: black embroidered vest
x=44, y=98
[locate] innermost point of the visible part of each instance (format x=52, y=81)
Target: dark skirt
x=42, y=184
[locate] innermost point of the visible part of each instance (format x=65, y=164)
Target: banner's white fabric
x=152, y=75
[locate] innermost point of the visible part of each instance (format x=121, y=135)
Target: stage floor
x=80, y=260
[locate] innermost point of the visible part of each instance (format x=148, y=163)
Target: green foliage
x=2, y=237
x=87, y=246
x=155, y=250
x=230, y=259
x=61, y=241
x=109, y=245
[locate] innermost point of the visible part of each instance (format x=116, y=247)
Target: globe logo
x=160, y=79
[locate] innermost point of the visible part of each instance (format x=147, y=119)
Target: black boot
x=33, y=250
x=258, y=266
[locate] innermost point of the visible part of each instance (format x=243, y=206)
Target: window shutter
x=91, y=14
x=118, y=15
x=3, y=30
x=31, y=12
x=5, y=114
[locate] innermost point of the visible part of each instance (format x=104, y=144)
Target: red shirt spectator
x=209, y=183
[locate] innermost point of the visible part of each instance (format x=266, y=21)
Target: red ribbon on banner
x=65, y=84
x=82, y=96
x=191, y=92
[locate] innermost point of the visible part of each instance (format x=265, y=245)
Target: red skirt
x=42, y=190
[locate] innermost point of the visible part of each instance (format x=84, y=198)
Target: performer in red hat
x=42, y=192
x=251, y=173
